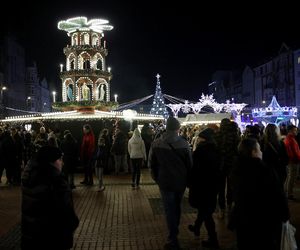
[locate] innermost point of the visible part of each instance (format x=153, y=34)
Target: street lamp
x=28, y=102
x=109, y=69
x=61, y=67
x=3, y=88
x=54, y=94
x=116, y=97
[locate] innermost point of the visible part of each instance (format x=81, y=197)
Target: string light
x=275, y=112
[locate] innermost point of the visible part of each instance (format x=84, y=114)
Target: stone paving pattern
x=120, y=217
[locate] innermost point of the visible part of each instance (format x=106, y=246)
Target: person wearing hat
x=170, y=161
x=203, y=187
x=48, y=216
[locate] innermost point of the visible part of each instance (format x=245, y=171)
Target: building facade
x=37, y=92
x=20, y=88
x=226, y=85
x=13, y=69
x=279, y=76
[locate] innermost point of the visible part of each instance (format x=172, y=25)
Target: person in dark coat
x=203, y=188
x=119, y=150
x=69, y=147
x=104, y=133
x=29, y=148
x=260, y=204
x=227, y=139
x=274, y=152
x=48, y=217
x=41, y=139
x=148, y=136
x=170, y=161
x=9, y=155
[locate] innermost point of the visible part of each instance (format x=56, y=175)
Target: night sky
x=183, y=42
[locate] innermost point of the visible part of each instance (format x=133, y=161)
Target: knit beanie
x=172, y=124
x=207, y=134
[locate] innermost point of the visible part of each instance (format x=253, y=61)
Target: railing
x=85, y=72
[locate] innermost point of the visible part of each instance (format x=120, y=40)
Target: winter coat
x=204, y=178
x=260, y=202
x=48, y=216
x=227, y=140
x=8, y=149
x=292, y=149
x=70, y=149
x=170, y=169
x=136, y=146
x=119, y=145
x=87, y=146
x=100, y=156
x=276, y=157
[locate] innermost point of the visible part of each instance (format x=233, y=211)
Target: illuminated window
x=299, y=60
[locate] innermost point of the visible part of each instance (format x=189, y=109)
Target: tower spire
x=158, y=105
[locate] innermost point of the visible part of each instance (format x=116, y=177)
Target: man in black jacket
x=170, y=161
x=48, y=216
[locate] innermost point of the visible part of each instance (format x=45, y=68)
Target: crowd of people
x=245, y=173
x=251, y=175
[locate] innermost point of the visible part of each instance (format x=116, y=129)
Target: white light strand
x=82, y=24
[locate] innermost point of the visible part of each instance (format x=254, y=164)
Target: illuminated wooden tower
x=85, y=76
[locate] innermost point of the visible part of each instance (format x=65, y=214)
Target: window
x=299, y=60
x=99, y=64
x=72, y=64
x=86, y=64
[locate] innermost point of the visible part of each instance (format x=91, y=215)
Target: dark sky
x=183, y=42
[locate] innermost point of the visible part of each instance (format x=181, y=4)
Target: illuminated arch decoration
x=67, y=82
x=99, y=96
x=97, y=62
x=74, y=39
x=95, y=39
x=85, y=87
x=207, y=100
x=274, y=113
x=71, y=62
x=84, y=60
x=84, y=38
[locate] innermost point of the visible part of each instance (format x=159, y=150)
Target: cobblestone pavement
x=119, y=218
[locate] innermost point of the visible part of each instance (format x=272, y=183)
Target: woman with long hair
x=274, y=151
x=260, y=204
x=137, y=153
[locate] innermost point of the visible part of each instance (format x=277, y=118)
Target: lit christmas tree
x=158, y=105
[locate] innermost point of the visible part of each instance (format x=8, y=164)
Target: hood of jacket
x=35, y=173
x=170, y=136
x=136, y=135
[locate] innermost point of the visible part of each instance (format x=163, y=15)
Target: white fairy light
x=274, y=110
x=82, y=24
